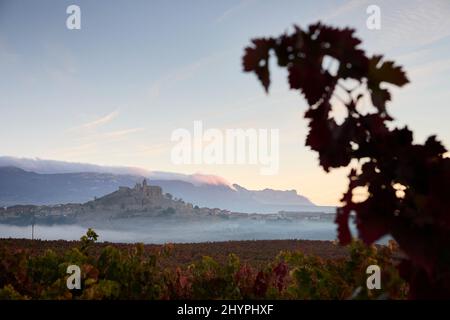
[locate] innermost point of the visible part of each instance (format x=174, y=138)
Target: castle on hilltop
x=154, y=192
x=142, y=200
x=141, y=195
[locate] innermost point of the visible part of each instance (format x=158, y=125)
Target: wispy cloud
x=89, y=144
x=101, y=121
x=142, y=150
x=414, y=23
x=344, y=9
x=241, y=5
x=91, y=137
x=122, y=133
x=403, y=22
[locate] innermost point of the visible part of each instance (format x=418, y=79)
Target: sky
x=113, y=92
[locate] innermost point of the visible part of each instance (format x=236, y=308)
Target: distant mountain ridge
x=19, y=186
x=44, y=166
x=238, y=199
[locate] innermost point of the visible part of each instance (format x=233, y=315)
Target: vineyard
x=283, y=270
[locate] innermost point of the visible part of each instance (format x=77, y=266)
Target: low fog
x=142, y=230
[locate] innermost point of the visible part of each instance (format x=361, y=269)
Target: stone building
x=153, y=192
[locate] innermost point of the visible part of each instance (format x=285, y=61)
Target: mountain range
x=47, y=182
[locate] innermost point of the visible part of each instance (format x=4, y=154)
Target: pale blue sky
x=112, y=92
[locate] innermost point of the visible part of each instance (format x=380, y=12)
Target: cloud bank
x=44, y=166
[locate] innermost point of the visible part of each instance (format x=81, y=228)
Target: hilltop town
x=143, y=200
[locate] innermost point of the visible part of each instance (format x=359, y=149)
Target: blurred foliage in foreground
x=130, y=274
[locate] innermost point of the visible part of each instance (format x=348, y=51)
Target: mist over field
x=162, y=232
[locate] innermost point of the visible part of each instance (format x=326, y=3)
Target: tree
x=407, y=184
x=88, y=239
